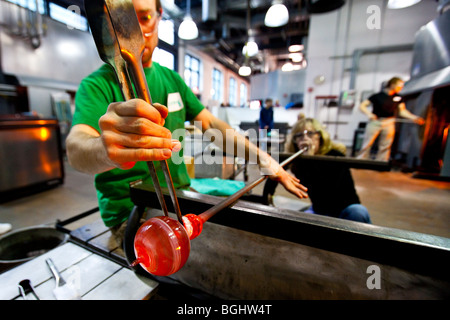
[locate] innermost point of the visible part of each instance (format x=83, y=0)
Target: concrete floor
x=394, y=199
x=75, y=196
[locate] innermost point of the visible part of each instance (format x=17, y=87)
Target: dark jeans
x=354, y=212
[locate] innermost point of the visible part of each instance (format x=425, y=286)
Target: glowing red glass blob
x=161, y=246
x=193, y=225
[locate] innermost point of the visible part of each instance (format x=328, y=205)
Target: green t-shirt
x=166, y=87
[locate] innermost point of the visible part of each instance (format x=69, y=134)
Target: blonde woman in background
x=325, y=143
x=330, y=184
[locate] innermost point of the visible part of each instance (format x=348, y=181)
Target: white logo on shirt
x=397, y=99
x=174, y=102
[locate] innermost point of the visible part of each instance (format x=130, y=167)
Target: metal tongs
x=62, y=290
x=120, y=44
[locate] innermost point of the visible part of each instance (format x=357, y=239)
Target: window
x=192, y=72
x=166, y=31
x=166, y=53
x=243, y=95
x=232, y=99
x=30, y=4
x=71, y=17
x=164, y=58
x=217, y=93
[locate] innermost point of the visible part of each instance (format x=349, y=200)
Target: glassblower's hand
x=133, y=131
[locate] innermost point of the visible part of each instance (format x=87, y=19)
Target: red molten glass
x=161, y=246
x=193, y=225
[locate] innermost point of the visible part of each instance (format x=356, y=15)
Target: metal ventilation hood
x=431, y=56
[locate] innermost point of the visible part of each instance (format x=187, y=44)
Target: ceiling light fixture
x=188, y=29
x=287, y=67
x=296, y=48
x=296, y=56
x=250, y=48
x=277, y=15
x=245, y=71
x=400, y=4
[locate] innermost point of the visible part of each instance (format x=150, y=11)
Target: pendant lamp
x=188, y=29
x=245, y=71
x=400, y=4
x=250, y=48
x=277, y=15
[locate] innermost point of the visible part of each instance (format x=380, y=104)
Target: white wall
x=63, y=59
x=334, y=36
x=234, y=116
x=278, y=85
x=65, y=55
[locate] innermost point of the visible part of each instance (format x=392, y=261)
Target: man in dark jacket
x=266, y=116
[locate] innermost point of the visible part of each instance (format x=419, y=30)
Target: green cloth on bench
x=217, y=187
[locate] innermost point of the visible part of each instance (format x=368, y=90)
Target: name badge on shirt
x=174, y=102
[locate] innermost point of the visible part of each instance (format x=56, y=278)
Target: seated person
x=330, y=185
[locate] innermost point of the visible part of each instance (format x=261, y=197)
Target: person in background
x=385, y=106
x=114, y=139
x=266, y=116
x=300, y=116
x=330, y=184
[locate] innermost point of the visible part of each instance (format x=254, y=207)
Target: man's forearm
x=238, y=145
x=86, y=153
x=230, y=141
x=404, y=113
x=363, y=108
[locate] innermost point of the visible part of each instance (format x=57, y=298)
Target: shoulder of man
x=377, y=95
x=168, y=74
x=103, y=73
x=160, y=68
x=104, y=70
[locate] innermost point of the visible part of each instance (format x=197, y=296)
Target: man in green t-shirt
x=113, y=139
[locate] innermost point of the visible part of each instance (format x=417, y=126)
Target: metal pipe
x=231, y=200
x=358, y=53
